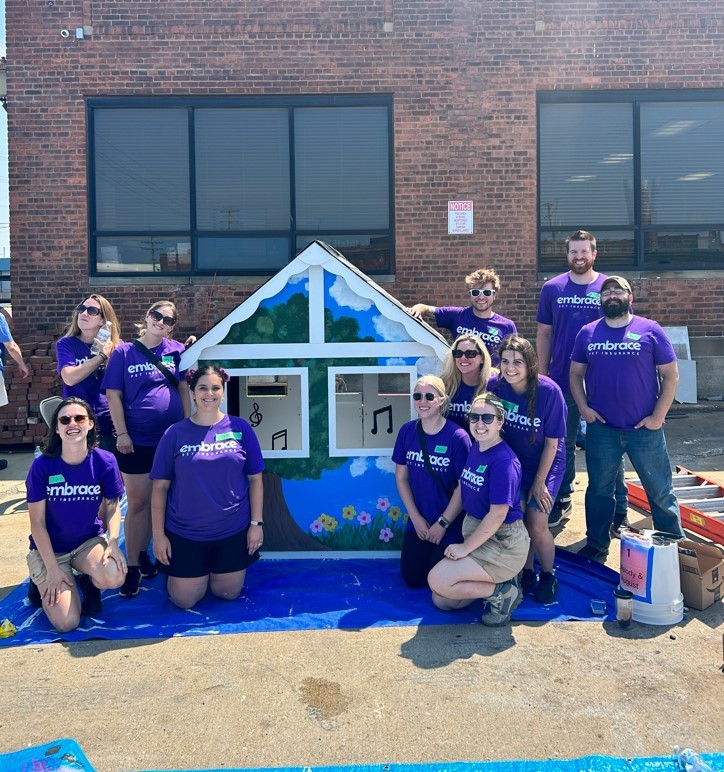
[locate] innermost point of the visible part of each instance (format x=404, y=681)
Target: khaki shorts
x=504, y=554
x=3, y=391
x=36, y=566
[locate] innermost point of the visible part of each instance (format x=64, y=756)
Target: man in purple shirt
x=476, y=319
x=568, y=302
x=616, y=366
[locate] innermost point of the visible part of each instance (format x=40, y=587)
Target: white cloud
x=358, y=467
x=344, y=296
x=385, y=464
x=428, y=366
x=395, y=362
x=299, y=277
x=389, y=330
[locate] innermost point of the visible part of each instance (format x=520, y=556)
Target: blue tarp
x=305, y=594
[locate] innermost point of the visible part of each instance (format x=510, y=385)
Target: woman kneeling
x=487, y=563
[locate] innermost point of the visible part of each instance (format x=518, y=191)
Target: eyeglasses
x=169, y=321
x=90, y=310
x=429, y=397
x=66, y=419
x=618, y=293
x=486, y=293
x=469, y=354
x=486, y=418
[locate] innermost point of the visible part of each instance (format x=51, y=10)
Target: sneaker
x=3, y=464
x=92, y=604
x=528, y=581
x=547, y=591
x=619, y=521
x=34, y=595
x=148, y=568
x=593, y=553
x=561, y=510
x=502, y=604
x=132, y=586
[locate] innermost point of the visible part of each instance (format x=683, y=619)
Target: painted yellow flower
x=330, y=524
x=348, y=513
x=394, y=513
x=405, y=518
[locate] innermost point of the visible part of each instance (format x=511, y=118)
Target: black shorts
x=138, y=462
x=191, y=559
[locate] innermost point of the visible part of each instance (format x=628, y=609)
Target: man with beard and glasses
x=623, y=377
x=568, y=302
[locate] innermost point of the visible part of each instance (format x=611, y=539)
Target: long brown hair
x=73, y=330
x=524, y=347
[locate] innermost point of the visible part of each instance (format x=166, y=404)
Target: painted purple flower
x=386, y=534
x=316, y=527
x=383, y=504
x=364, y=518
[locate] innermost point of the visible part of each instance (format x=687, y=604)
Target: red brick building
x=188, y=150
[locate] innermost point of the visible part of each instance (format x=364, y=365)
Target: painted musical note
x=256, y=417
x=282, y=434
x=375, y=413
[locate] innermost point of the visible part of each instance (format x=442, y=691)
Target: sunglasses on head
x=90, y=310
x=169, y=321
x=66, y=419
x=428, y=396
x=486, y=293
x=486, y=418
x=469, y=354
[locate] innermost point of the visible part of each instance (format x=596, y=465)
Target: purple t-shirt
x=567, y=306
x=71, y=352
x=462, y=321
x=208, y=467
x=448, y=451
x=491, y=477
x=621, y=380
x=73, y=494
x=150, y=404
x=460, y=404
x=549, y=422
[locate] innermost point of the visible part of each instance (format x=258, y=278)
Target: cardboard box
x=701, y=567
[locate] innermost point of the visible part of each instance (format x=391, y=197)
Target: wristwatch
x=443, y=522
x=257, y=522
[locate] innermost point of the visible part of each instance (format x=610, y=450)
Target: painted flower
x=324, y=518
x=364, y=518
x=394, y=513
x=348, y=513
x=316, y=527
x=383, y=504
x=330, y=524
x=386, y=534
x=405, y=518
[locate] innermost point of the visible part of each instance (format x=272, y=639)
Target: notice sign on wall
x=459, y=217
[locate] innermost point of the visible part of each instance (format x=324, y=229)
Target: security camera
x=64, y=33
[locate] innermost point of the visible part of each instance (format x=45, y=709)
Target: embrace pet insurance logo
x=58, y=489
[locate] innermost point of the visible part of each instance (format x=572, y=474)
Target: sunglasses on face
x=486, y=293
x=90, y=310
x=66, y=419
x=486, y=418
x=429, y=397
x=469, y=354
x=169, y=321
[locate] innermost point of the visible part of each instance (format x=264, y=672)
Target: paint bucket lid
x=624, y=594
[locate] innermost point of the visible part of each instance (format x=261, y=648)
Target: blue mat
x=304, y=594
x=60, y=755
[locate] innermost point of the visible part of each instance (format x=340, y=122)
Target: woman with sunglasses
x=536, y=431
x=495, y=547
x=429, y=456
x=146, y=394
x=80, y=369
x=66, y=485
x=466, y=370
x=207, y=497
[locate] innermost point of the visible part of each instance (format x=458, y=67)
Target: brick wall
x=464, y=75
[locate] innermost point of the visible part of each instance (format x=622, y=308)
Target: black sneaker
x=132, y=586
x=3, y=464
x=148, y=568
x=547, y=591
x=92, y=604
x=593, y=553
x=561, y=510
x=619, y=521
x=34, y=595
x=528, y=581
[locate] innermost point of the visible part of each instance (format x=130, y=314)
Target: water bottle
x=101, y=338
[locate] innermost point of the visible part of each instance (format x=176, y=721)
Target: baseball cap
x=623, y=283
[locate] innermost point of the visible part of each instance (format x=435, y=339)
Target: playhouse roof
x=318, y=256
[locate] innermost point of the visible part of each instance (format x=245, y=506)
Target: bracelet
x=102, y=356
x=121, y=434
x=256, y=522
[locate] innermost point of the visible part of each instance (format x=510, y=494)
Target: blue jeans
x=573, y=421
x=647, y=451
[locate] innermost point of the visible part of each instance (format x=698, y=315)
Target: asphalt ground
x=388, y=695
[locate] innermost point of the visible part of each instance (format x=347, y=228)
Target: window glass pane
x=243, y=254
x=141, y=169
x=242, y=169
x=586, y=165
x=371, y=254
x=682, y=162
x=342, y=168
x=615, y=250
x=167, y=255
x=684, y=248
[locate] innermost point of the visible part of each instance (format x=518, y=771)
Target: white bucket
x=650, y=570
